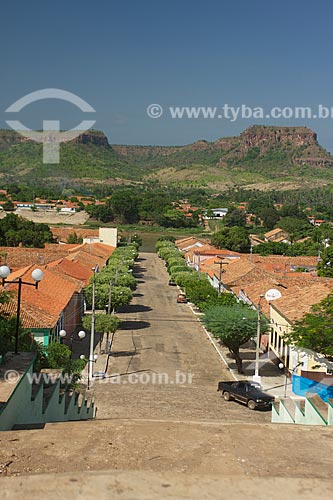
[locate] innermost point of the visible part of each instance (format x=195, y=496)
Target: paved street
x=159, y=336
x=184, y=431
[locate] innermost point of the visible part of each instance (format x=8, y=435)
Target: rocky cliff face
x=93, y=137
x=10, y=137
x=267, y=137
x=257, y=149
x=298, y=143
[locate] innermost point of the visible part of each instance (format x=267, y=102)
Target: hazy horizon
x=122, y=57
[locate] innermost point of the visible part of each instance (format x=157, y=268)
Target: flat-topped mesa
x=298, y=143
x=10, y=137
x=266, y=137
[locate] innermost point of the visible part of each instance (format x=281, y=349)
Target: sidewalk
x=99, y=364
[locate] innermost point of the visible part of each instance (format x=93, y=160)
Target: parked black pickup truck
x=246, y=392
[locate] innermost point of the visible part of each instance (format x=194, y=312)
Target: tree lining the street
x=115, y=276
x=233, y=326
x=104, y=324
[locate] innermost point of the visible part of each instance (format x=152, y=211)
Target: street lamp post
x=286, y=373
x=81, y=335
x=37, y=275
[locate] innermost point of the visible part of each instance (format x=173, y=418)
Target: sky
x=120, y=57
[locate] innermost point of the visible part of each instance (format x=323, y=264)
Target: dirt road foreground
x=126, y=485
x=223, y=457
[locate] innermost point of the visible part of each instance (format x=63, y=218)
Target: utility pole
x=115, y=284
x=221, y=263
x=110, y=298
x=92, y=334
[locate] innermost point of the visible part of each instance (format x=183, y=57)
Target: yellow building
x=283, y=313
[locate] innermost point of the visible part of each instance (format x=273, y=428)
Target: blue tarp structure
x=305, y=387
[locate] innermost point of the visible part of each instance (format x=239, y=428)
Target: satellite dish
x=272, y=294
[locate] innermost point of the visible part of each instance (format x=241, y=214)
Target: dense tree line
x=129, y=206
x=118, y=272
x=15, y=231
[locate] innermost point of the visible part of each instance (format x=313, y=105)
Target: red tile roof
x=18, y=257
x=72, y=268
x=62, y=233
x=30, y=316
x=98, y=250
x=53, y=294
x=190, y=241
x=63, y=277
x=280, y=264
x=211, y=250
x=299, y=299
x=86, y=259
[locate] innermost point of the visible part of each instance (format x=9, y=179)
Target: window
x=279, y=344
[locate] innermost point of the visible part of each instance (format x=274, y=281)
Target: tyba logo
x=50, y=136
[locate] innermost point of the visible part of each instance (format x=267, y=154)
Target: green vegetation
x=307, y=248
x=228, y=160
x=59, y=356
x=234, y=326
x=234, y=238
x=104, y=324
x=196, y=285
x=15, y=231
x=118, y=273
x=103, y=213
x=73, y=238
x=235, y=217
x=176, y=219
x=125, y=205
x=129, y=206
x=91, y=160
x=325, y=266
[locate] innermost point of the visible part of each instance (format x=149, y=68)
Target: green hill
x=88, y=158
x=262, y=156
